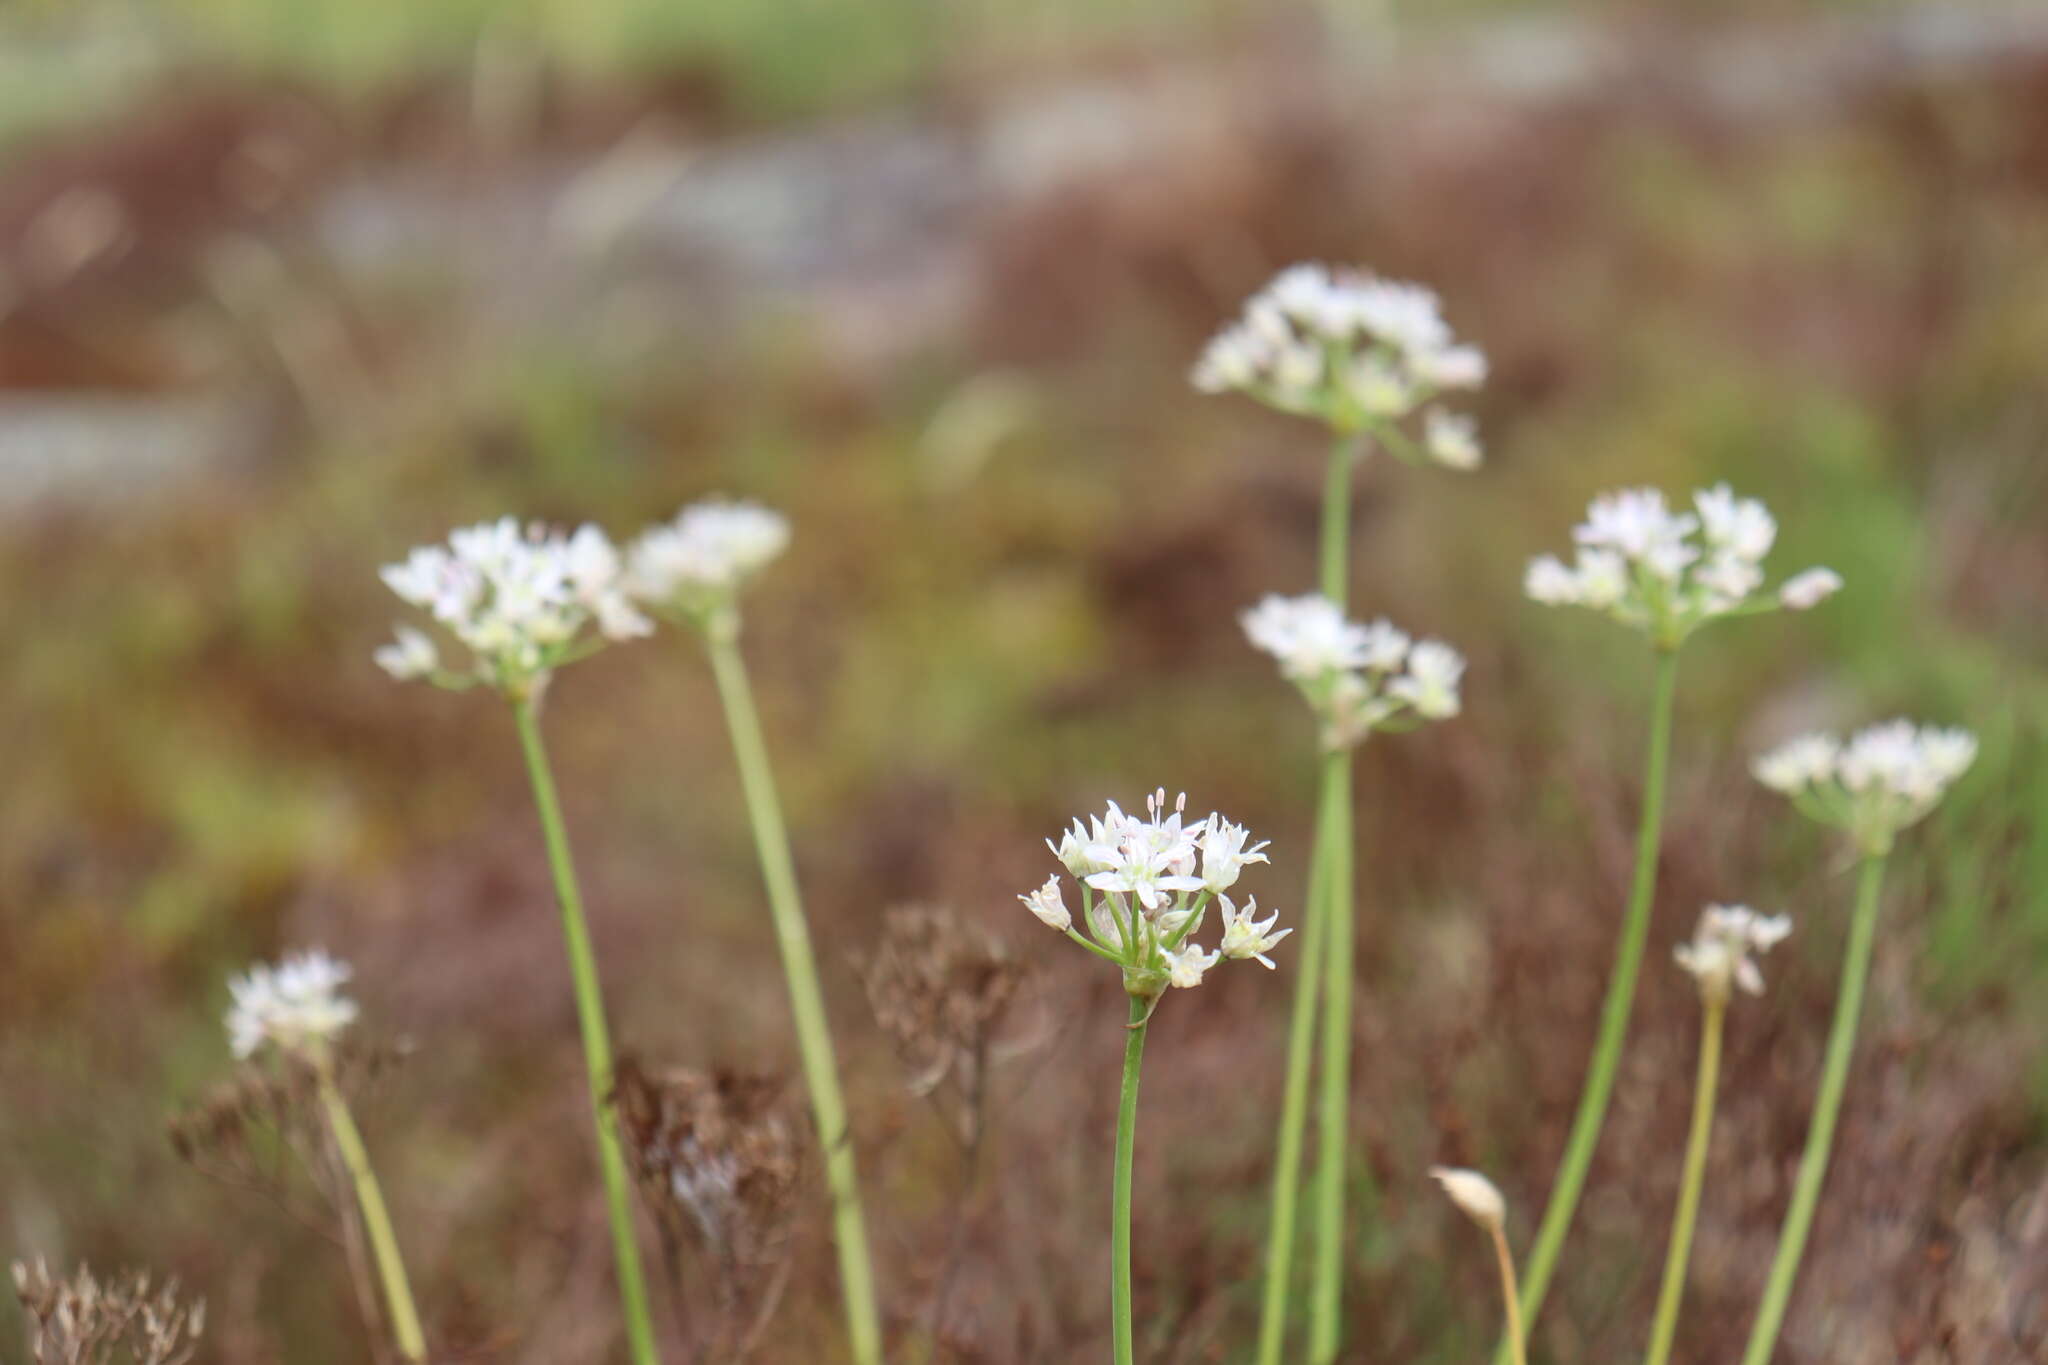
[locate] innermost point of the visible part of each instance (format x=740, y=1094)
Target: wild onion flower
x=521, y=601
x=1884, y=779
x=1357, y=679
x=1355, y=352
x=1666, y=572
x=296, y=1005
x=691, y=568
x=1480, y=1200
x=1723, y=950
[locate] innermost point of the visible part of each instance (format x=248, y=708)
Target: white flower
x=697, y=561
x=1386, y=646
x=1186, y=966
x=1224, y=855
x=518, y=600
x=1431, y=683
x=1451, y=439
x=1244, y=936
x=1724, y=947
x=1308, y=635
x=1804, y=591
x=1474, y=1194
x=1798, y=764
x=1883, y=779
x=296, y=1005
x=1151, y=858
x=1668, y=572
x=1049, y=904
x=1352, y=675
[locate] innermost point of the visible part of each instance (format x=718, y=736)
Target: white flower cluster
x=1885, y=778
x=518, y=599
x=1353, y=350
x=1724, y=948
x=1145, y=888
x=297, y=1004
x=694, y=565
x=1357, y=678
x=1669, y=572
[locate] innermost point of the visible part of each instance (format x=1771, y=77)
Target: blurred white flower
x=1724, y=948
x=1431, y=682
x=1667, y=572
x=296, y=1005
x=1885, y=778
x=519, y=600
x=1357, y=679
x=1476, y=1196
x=1352, y=351
x=1244, y=936
x=1049, y=904
x=1308, y=635
x=696, y=563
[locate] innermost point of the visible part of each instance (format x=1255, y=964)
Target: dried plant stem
x=1827, y=1108
x=807, y=1001
x=1614, y=1012
x=1122, y=1349
x=1509, y=1296
x=1679, y=1255
x=405, y=1318
x=597, y=1047
x=1301, y=1029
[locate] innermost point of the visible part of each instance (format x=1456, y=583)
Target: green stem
x=1301, y=1031
x=1665, y=1326
x=807, y=1000
x=1621, y=994
x=1827, y=1107
x=1326, y=1299
x=1506, y=1261
x=405, y=1318
x=597, y=1046
x=1120, y=1192
x=1334, y=550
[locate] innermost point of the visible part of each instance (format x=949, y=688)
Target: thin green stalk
x=597, y=1046
x=1326, y=1300
x=1621, y=994
x=1679, y=1255
x=807, y=1000
x=1120, y=1192
x=1827, y=1107
x=1509, y=1297
x=405, y=1318
x=1301, y=1030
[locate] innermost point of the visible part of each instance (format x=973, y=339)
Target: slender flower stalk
x=1884, y=779
x=298, y=1008
x=1720, y=958
x=690, y=571
x=1121, y=1325
x=1333, y=1151
x=524, y=603
x=1476, y=1196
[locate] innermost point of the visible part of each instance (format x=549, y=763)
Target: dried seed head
x=80, y=1321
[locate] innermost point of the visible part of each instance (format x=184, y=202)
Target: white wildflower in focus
x=1357, y=679
x=696, y=563
x=1667, y=572
x=1146, y=885
x=1353, y=351
x=1049, y=904
x=1476, y=1196
x=1724, y=948
x=297, y=1005
x=519, y=599
x=1885, y=778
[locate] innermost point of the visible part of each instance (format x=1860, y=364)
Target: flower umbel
x=1883, y=779
x=1666, y=572
x=1146, y=885
x=694, y=565
x=519, y=599
x=298, y=1004
x=1357, y=678
x=1724, y=948
x=1354, y=351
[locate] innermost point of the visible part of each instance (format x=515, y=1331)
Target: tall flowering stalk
x=523, y=602
x=1721, y=956
x=1478, y=1199
x=298, y=1009
x=690, y=571
x=1665, y=573
x=1882, y=780
x=1146, y=886
x=1363, y=356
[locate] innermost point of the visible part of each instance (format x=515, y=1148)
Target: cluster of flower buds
x=297, y=1005
x=692, y=567
x=1358, y=678
x=1723, y=951
x=1145, y=887
x=1354, y=351
x=1883, y=779
x=1668, y=573
x=518, y=598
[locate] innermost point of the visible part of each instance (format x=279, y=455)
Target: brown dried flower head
x=80, y=1321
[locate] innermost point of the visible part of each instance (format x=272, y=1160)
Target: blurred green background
x=286, y=288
